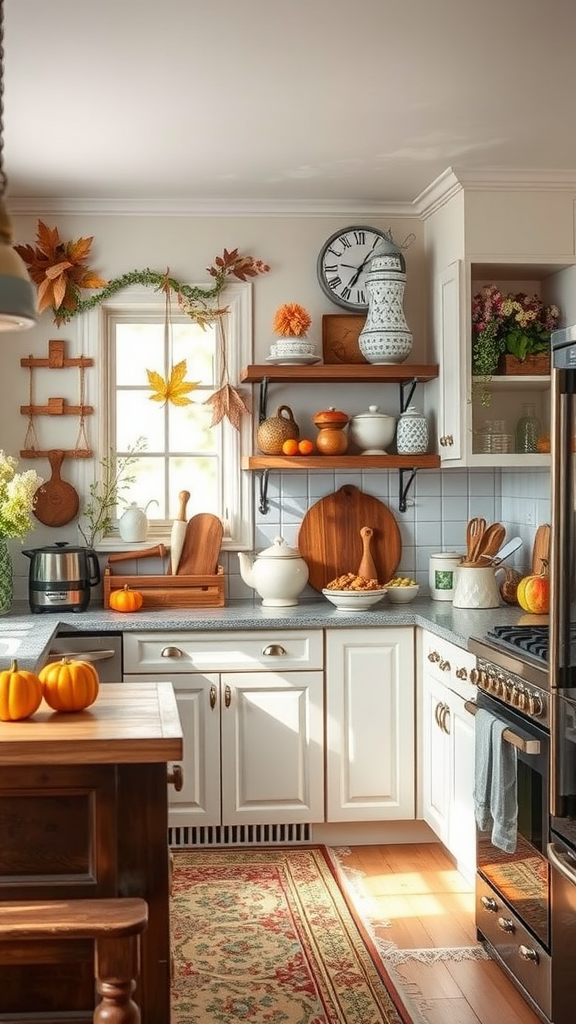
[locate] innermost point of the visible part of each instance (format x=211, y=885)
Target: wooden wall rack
x=56, y=360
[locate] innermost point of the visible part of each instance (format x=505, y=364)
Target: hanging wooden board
x=330, y=539
x=541, y=549
x=56, y=500
x=201, y=547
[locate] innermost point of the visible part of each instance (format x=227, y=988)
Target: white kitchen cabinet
x=521, y=240
x=252, y=713
x=370, y=744
x=447, y=747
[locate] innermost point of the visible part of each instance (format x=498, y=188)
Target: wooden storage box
x=170, y=591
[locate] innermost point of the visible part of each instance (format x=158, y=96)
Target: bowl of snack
x=352, y=593
x=401, y=589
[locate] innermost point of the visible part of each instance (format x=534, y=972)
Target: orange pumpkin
x=69, y=685
x=20, y=694
x=126, y=600
x=533, y=594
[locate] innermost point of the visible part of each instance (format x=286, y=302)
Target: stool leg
x=116, y=966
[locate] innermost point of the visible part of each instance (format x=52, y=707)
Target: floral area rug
x=265, y=936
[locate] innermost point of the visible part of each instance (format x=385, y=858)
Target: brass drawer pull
x=273, y=651
x=176, y=777
x=171, y=652
x=528, y=953
x=489, y=903
x=506, y=924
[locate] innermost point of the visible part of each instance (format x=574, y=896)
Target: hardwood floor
x=417, y=900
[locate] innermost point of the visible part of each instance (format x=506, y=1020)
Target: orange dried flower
x=291, y=320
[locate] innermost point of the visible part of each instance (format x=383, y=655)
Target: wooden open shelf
x=343, y=373
x=352, y=462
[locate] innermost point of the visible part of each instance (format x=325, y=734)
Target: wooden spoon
x=491, y=540
x=474, y=531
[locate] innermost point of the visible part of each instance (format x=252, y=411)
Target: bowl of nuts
x=401, y=590
x=352, y=593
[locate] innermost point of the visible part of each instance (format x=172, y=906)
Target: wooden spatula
x=201, y=545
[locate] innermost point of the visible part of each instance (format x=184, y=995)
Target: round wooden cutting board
x=56, y=500
x=330, y=541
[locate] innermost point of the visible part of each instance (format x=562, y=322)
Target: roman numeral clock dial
x=343, y=263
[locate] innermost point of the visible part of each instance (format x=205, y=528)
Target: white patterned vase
x=385, y=337
x=412, y=433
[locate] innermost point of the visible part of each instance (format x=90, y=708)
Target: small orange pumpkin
x=533, y=593
x=20, y=694
x=126, y=600
x=69, y=685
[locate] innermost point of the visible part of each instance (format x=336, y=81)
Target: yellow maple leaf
x=175, y=389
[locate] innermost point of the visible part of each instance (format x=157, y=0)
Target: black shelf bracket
x=263, y=399
x=405, y=399
x=264, y=504
x=404, y=488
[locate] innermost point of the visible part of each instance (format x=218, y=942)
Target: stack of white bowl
x=292, y=348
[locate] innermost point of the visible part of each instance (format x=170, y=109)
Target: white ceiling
x=300, y=101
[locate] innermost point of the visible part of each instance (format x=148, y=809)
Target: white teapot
x=133, y=523
x=279, y=574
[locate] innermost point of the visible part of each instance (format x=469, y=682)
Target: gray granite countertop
x=27, y=636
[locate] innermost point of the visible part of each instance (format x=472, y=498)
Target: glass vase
x=527, y=430
x=6, y=578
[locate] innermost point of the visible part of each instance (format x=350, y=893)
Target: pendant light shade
x=18, y=309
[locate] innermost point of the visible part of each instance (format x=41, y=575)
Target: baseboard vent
x=238, y=835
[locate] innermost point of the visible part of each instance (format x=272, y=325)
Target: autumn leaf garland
x=60, y=271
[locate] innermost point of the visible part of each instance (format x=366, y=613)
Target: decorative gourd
x=20, y=694
x=69, y=685
x=126, y=600
x=509, y=586
x=533, y=594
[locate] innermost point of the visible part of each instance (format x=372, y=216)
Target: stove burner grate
x=533, y=640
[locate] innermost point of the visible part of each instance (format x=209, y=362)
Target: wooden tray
x=340, y=333
x=170, y=591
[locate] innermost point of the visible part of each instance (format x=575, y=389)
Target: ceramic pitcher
x=476, y=587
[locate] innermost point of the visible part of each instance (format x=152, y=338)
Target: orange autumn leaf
x=59, y=268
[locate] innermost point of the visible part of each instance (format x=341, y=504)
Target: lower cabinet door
x=272, y=747
x=461, y=839
x=370, y=724
x=435, y=756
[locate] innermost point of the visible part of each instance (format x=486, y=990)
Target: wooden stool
x=115, y=925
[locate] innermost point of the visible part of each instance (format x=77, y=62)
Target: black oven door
x=522, y=878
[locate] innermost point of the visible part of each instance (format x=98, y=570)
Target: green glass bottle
x=528, y=430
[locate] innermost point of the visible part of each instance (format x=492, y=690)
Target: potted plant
x=511, y=333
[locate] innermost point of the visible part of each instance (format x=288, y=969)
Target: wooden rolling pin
x=159, y=551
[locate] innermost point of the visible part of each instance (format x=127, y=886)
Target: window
x=182, y=451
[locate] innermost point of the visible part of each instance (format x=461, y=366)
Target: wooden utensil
x=367, y=569
x=541, y=549
x=201, y=546
x=158, y=551
x=178, y=531
x=491, y=541
x=56, y=501
x=329, y=538
x=474, y=531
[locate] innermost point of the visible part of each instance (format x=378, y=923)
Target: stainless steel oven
x=513, y=887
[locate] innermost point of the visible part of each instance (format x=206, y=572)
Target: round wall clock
x=344, y=261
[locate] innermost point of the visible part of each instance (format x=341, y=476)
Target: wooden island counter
x=84, y=813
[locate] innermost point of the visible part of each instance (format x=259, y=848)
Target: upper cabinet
x=521, y=239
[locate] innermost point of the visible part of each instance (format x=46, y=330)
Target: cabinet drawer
x=449, y=664
x=180, y=651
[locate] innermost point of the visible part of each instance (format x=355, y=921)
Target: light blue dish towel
x=495, y=782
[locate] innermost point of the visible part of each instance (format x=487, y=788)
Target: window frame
x=237, y=483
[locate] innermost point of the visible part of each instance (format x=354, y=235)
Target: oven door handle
x=561, y=863
x=527, y=746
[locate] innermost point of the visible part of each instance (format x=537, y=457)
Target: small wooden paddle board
x=201, y=547
x=56, y=500
x=541, y=549
x=330, y=539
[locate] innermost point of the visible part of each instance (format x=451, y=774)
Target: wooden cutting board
x=541, y=549
x=56, y=500
x=330, y=541
x=201, y=546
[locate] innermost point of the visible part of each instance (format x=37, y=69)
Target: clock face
x=343, y=264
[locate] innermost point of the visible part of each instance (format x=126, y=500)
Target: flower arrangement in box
x=519, y=325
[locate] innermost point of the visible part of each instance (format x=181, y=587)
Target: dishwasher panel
x=103, y=649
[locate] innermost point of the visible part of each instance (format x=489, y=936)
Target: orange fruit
x=290, y=447
x=305, y=447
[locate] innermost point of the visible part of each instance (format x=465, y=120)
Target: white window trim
x=238, y=529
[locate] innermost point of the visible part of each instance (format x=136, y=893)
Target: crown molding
x=40, y=206
x=454, y=180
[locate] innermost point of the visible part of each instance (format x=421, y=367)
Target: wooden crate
x=170, y=591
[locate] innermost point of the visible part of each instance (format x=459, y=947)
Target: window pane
x=200, y=477
x=189, y=427
x=137, y=416
x=139, y=346
x=148, y=483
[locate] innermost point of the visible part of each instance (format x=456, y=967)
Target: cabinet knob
x=489, y=903
x=447, y=440
x=528, y=953
x=461, y=673
x=434, y=657
x=444, y=665
x=506, y=924
x=273, y=651
x=176, y=777
x=170, y=652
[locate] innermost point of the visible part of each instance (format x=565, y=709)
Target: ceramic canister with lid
x=412, y=433
x=442, y=574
